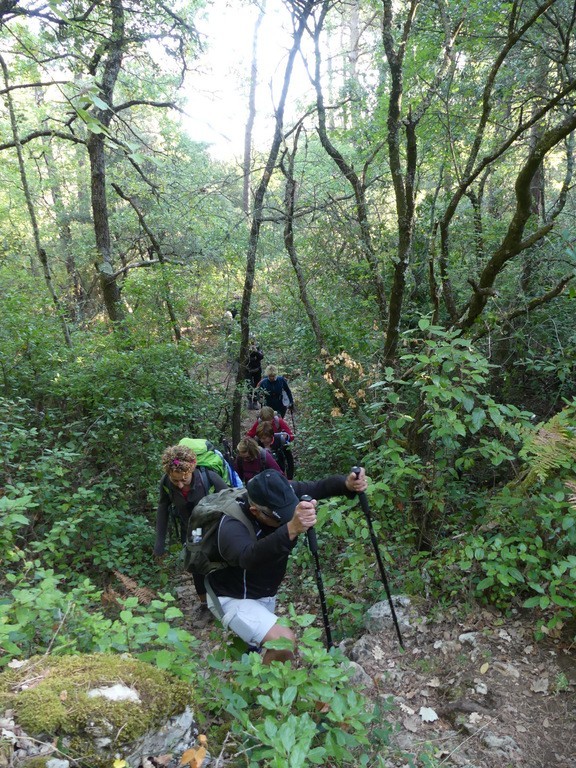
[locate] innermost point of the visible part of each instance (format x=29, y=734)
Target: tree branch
x=532, y=305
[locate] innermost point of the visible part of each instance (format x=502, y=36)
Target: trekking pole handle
x=310, y=533
x=361, y=496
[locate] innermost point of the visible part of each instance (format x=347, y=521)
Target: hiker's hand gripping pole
x=313, y=546
x=366, y=510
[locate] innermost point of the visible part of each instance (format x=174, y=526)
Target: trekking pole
x=313, y=546
x=366, y=510
x=293, y=422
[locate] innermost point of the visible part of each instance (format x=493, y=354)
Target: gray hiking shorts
x=249, y=619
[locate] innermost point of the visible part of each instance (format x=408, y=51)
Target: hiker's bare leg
x=275, y=633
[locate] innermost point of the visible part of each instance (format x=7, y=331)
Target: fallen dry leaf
x=193, y=757
x=474, y=718
x=411, y=723
x=410, y=694
x=163, y=759
x=427, y=714
x=484, y=668
x=405, y=708
x=378, y=653
x=434, y=683
x=63, y=695
x=540, y=685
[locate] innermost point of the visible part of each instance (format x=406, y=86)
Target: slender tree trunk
x=97, y=154
x=156, y=248
x=75, y=298
x=301, y=15
x=348, y=172
x=341, y=396
x=403, y=183
x=42, y=256
x=513, y=242
x=473, y=167
x=251, y=114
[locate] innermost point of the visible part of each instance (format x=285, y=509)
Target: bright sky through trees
x=217, y=89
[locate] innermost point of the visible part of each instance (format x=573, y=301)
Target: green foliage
x=39, y=613
x=439, y=434
x=30, y=336
x=551, y=447
x=524, y=544
x=73, y=530
x=275, y=711
x=12, y=520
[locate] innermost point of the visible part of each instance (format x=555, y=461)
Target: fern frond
x=572, y=498
x=553, y=445
x=144, y=595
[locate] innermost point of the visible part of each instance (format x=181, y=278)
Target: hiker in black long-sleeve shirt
x=182, y=486
x=246, y=589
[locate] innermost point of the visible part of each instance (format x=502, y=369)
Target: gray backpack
x=201, y=549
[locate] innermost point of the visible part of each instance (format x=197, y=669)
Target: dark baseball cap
x=271, y=489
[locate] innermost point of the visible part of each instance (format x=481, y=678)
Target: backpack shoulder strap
x=231, y=507
x=165, y=486
x=205, y=478
x=239, y=515
x=263, y=464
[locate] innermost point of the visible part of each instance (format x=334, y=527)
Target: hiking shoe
x=203, y=615
x=254, y=649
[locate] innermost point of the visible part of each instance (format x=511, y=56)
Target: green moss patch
x=49, y=696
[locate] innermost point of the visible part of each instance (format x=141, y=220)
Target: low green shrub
x=521, y=555
x=275, y=715
x=40, y=614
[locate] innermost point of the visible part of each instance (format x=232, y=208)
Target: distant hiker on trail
x=254, y=368
x=277, y=393
x=252, y=458
x=230, y=314
x=268, y=414
x=245, y=591
x=181, y=488
x=278, y=445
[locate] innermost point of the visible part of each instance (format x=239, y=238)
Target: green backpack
x=201, y=552
x=210, y=457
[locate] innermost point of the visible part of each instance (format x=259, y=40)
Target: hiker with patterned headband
x=181, y=488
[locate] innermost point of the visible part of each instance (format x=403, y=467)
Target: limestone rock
x=97, y=706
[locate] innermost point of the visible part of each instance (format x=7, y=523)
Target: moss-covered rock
x=50, y=699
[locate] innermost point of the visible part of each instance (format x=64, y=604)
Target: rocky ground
x=475, y=693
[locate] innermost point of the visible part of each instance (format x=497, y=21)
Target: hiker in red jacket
x=269, y=414
x=278, y=445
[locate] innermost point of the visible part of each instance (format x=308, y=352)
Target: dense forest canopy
x=401, y=243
